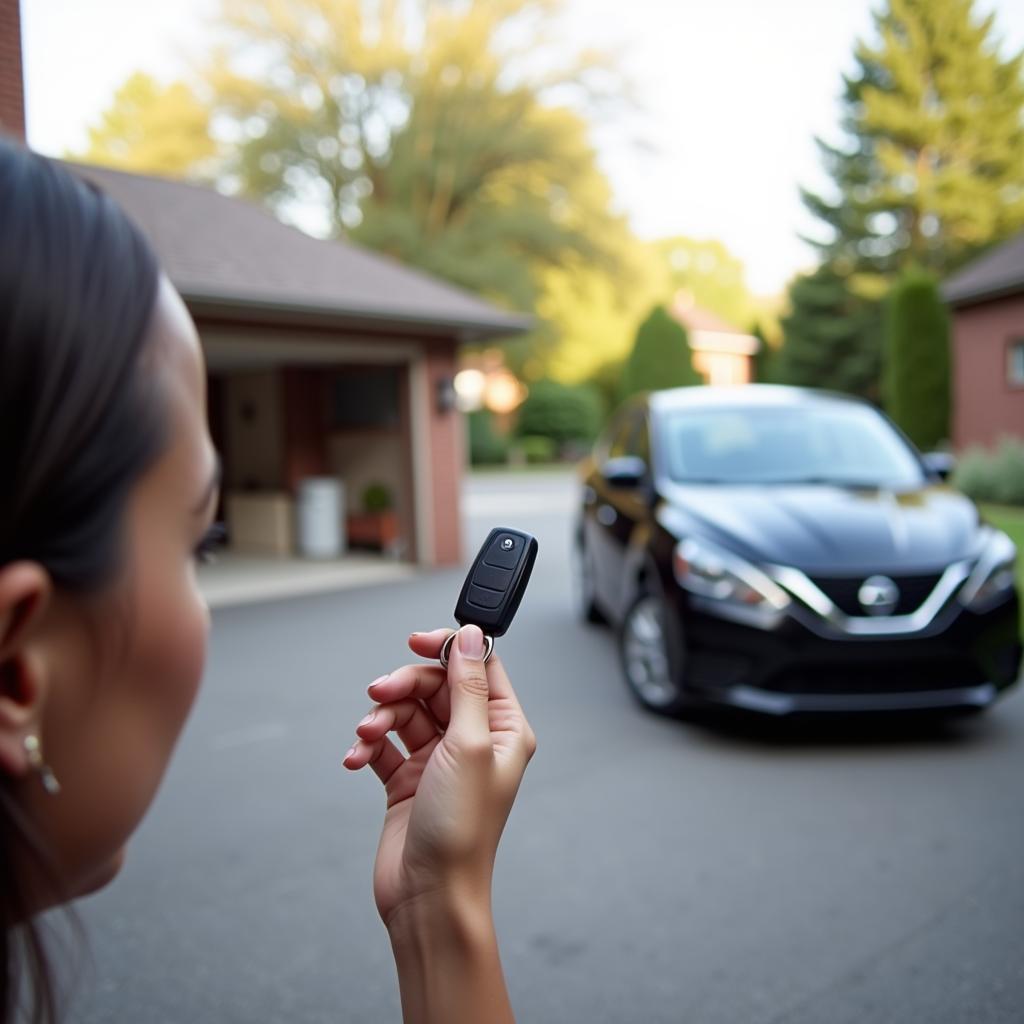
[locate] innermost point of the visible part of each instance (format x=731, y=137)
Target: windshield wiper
x=705, y=480
x=829, y=481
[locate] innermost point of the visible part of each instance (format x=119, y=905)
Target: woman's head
x=108, y=484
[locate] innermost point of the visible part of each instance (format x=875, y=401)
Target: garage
x=329, y=367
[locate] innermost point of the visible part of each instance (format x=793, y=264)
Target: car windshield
x=846, y=444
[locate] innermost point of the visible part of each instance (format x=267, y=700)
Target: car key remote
x=495, y=585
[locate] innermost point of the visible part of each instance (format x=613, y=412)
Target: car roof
x=747, y=395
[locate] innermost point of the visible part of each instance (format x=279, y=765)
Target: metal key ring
x=447, y=646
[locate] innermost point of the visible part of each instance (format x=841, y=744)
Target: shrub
x=560, y=412
x=917, y=359
x=993, y=476
x=537, y=449
x=487, y=447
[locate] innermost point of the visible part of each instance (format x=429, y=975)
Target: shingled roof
x=228, y=255
x=996, y=274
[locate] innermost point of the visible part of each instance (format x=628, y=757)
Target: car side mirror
x=940, y=464
x=626, y=472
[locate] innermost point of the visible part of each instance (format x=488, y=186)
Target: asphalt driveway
x=652, y=871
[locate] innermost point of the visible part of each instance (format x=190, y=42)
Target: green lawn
x=1010, y=519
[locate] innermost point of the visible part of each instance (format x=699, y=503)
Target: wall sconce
x=445, y=395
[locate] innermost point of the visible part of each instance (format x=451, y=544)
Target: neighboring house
x=987, y=299
x=722, y=353
x=323, y=359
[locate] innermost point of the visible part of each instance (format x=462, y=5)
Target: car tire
x=653, y=655
x=583, y=586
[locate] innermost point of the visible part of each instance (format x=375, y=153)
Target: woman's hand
x=468, y=745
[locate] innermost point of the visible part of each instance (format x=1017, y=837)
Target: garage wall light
x=445, y=395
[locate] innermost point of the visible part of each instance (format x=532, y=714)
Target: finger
x=383, y=756
x=409, y=718
x=470, y=690
x=498, y=681
x=426, y=683
x=428, y=645
x=506, y=715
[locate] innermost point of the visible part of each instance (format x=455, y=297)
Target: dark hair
x=78, y=283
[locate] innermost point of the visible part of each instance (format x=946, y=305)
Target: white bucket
x=320, y=522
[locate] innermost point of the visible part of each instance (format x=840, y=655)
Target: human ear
x=25, y=590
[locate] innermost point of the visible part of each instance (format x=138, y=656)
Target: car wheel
x=653, y=656
x=584, y=586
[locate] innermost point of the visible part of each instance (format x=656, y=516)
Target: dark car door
x=616, y=511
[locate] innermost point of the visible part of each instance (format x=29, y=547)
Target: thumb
x=467, y=678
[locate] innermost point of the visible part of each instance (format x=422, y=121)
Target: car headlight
x=994, y=574
x=728, y=585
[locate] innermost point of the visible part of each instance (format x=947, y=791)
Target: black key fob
x=495, y=585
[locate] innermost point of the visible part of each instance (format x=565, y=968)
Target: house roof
x=695, y=318
x=231, y=256
x=998, y=273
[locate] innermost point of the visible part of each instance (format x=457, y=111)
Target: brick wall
x=986, y=405
x=12, y=94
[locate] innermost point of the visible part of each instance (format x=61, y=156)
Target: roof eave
x=464, y=330
x=976, y=296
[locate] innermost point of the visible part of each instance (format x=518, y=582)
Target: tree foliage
x=831, y=337
x=487, y=445
x=150, y=128
x=590, y=313
x=932, y=167
x=421, y=129
x=661, y=356
x=712, y=275
x=917, y=359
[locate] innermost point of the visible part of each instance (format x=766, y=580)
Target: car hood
x=828, y=529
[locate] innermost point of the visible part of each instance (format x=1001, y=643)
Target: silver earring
x=34, y=750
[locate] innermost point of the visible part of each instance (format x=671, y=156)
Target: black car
x=782, y=550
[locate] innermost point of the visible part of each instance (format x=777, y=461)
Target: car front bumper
x=963, y=661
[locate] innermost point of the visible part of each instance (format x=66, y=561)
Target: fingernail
x=378, y=680
x=368, y=719
x=471, y=641
x=351, y=751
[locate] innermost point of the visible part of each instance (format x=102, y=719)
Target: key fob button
x=492, y=577
x=484, y=598
x=503, y=556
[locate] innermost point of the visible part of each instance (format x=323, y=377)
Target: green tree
x=423, y=130
x=661, y=356
x=917, y=359
x=932, y=167
x=150, y=128
x=831, y=337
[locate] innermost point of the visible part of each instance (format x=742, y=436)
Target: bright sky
x=732, y=93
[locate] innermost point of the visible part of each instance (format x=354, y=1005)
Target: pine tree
x=934, y=165
x=917, y=359
x=661, y=356
x=831, y=337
